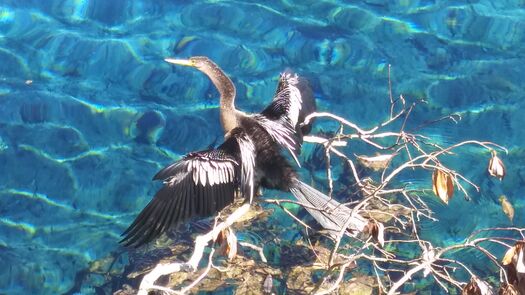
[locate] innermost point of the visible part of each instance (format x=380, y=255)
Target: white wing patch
x=248, y=165
x=292, y=94
x=205, y=171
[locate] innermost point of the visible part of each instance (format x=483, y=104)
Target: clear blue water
x=81, y=81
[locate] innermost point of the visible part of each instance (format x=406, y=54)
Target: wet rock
x=149, y=126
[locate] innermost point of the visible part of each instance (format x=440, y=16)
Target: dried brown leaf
x=377, y=231
x=509, y=255
x=496, y=167
x=477, y=287
x=227, y=243
x=231, y=244
x=507, y=289
x=375, y=163
x=470, y=289
x=507, y=207
x=442, y=185
x=380, y=234
x=219, y=239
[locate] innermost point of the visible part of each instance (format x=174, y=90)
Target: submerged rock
x=148, y=127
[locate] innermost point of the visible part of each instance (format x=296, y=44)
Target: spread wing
x=200, y=184
x=292, y=102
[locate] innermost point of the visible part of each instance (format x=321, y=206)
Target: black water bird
x=204, y=182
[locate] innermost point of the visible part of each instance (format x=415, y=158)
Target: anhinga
x=204, y=182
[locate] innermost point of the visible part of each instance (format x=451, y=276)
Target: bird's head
x=219, y=79
x=199, y=62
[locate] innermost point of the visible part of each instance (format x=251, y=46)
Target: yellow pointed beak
x=182, y=62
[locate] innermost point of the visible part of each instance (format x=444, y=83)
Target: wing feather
x=292, y=102
x=155, y=230
x=171, y=208
x=247, y=150
x=191, y=188
x=282, y=133
x=200, y=184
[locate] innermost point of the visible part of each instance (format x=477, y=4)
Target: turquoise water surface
x=89, y=111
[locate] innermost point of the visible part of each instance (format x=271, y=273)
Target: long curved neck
x=227, y=91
